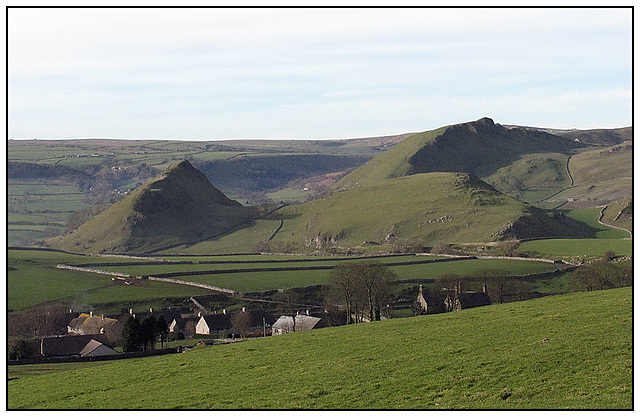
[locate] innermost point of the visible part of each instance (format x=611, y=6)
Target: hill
x=480, y=148
x=422, y=209
x=560, y=352
x=179, y=206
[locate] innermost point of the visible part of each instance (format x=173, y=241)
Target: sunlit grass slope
x=569, y=351
x=434, y=207
x=179, y=206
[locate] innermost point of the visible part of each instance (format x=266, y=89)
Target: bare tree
x=362, y=285
x=241, y=323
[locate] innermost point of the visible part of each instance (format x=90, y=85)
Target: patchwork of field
x=33, y=278
x=570, y=351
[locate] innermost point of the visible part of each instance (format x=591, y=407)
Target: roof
x=302, y=322
x=217, y=321
x=473, y=299
x=91, y=323
x=68, y=345
x=94, y=345
x=169, y=315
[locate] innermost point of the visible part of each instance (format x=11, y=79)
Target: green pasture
x=221, y=265
x=32, y=279
x=598, y=193
x=241, y=240
x=569, y=248
x=570, y=351
x=590, y=217
x=268, y=280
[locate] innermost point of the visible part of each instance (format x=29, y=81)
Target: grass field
x=267, y=280
x=590, y=217
x=569, y=248
x=32, y=279
x=561, y=352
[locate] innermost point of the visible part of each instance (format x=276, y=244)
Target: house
x=68, y=345
x=450, y=300
x=299, y=323
x=213, y=323
x=429, y=302
x=95, y=348
x=182, y=324
x=87, y=323
x=464, y=300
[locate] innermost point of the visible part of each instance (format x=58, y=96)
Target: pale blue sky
x=312, y=73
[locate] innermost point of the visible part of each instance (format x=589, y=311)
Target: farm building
x=213, y=323
x=299, y=323
x=183, y=325
x=95, y=348
x=429, y=303
x=68, y=345
x=450, y=300
x=87, y=323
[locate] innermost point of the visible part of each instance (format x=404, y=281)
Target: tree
x=148, y=332
x=161, y=329
x=131, y=340
x=343, y=288
x=19, y=348
x=361, y=285
x=498, y=283
x=241, y=323
x=600, y=275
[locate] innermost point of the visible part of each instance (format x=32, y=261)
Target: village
x=86, y=336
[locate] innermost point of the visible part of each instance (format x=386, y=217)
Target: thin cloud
x=312, y=73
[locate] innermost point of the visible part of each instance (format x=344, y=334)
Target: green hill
x=425, y=208
x=560, y=352
x=179, y=206
x=480, y=148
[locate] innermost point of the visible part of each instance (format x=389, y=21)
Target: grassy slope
x=602, y=164
x=434, y=207
x=33, y=279
x=180, y=205
x=623, y=211
x=479, y=147
x=570, y=351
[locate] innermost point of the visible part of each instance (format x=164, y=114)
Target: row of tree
x=142, y=335
x=362, y=288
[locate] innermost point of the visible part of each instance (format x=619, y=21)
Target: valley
x=538, y=220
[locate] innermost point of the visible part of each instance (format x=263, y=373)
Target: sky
x=312, y=73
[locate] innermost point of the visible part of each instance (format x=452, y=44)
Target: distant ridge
x=480, y=148
x=180, y=205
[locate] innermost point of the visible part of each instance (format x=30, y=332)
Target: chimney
x=307, y=312
x=71, y=311
x=91, y=314
x=199, y=314
x=484, y=288
x=102, y=316
x=151, y=310
x=42, y=346
x=244, y=310
x=420, y=290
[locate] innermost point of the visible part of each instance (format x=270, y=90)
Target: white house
x=299, y=323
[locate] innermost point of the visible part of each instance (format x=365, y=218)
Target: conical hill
x=179, y=206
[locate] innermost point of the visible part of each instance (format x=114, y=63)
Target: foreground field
x=562, y=352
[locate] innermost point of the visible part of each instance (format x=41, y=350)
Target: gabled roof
x=94, y=345
x=302, y=322
x=473, y=299
x=91, y=323
x=68, y=345
x=217, y=321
